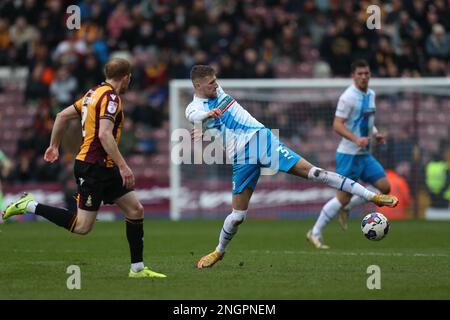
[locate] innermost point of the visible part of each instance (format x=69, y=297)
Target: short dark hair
x=361, y=63
x=117, y=68
x=200, y=71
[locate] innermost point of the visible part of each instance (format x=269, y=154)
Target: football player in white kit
x=252, y=146
x=354, y=121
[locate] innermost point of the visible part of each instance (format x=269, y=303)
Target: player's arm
x=340, y=127
x=379, y=137
x=195, y=115
x=108, y=142
x=62, y=118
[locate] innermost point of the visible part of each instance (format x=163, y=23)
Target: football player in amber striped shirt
x=100, y=170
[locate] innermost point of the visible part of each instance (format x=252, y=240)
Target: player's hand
x=380, y=138
x=196, y=134
x=362, y=141
x=214, y=113
x=127, y=177
x=51, y=154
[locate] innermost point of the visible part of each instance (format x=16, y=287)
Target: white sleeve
x=194, y=114
x=219, y=90
x=343, y=109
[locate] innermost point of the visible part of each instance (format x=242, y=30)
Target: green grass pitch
x=266, y=260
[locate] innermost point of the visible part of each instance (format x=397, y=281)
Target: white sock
x=31, y=206
x=138, y=266
x=328, y=212
x=357, y=200
x=230, y=228
x=339, y=182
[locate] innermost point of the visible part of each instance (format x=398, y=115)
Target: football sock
x=136, y=267
x=357, y=200
x=339, y=182
x=61, y=217
x=135, y=237
x=230, y=228
x=329, y=211
x=31, y=207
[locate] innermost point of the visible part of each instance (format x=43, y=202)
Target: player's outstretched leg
x=59, y=216
x=306, y=170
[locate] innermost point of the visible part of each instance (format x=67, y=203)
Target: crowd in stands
x=241, y=39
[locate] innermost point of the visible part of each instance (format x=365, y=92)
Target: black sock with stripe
x=61, y=217
x=135, y=236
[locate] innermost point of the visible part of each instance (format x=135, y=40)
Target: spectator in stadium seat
x=64, y=87
x=70, y=49
x=362, y=49
x=249, y=67
x=21, y=34
x=407, y=60
x=384, y=56
x=435, y=68
x=438, y=43
x=38, y=82
x=88, y=73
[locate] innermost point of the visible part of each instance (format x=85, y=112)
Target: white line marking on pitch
x=347, y=253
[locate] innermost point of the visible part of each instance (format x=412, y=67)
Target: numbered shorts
x=97, y=184
x=359, y=167
x=264, y=150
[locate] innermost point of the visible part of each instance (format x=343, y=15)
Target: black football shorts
x=97, y=184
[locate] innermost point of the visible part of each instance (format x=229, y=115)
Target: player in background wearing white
x=236, y=128
x=354, y=121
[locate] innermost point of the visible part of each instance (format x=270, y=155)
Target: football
x=375, y=226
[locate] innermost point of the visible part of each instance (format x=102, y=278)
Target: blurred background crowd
x=164, y=38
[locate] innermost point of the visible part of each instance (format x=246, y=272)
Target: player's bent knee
x=83, y=226
x=137, y=212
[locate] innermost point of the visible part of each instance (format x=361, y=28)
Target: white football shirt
x=234, y=128
x=358, y=108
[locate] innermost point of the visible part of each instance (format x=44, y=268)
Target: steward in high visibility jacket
x=437, y=179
